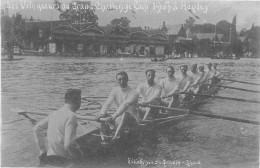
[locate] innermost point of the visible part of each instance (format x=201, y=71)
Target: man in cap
x=61, y=126
x=170, y=88
x=150, y=93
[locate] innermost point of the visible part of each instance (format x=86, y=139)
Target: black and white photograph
x=130, y=83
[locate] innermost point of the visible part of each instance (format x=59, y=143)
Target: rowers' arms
x=155, y=97
x=186, y=87
x=131, y=100
x=174, y=91
x=39, y=132
x=197, y=81
x=108, y=103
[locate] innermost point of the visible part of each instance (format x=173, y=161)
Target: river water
x=38, y=84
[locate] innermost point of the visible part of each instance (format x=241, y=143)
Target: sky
x=151, y=13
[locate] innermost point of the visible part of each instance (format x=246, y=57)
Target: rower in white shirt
x=150, y=93
x=210, y=74
x=126, y=115
x=170, y=88
x=185, y=82
x=216, y=74
x=61, y=126
x=196, y=77
x=203, y=78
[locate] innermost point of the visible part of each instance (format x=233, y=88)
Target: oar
x=235, y=88
x=240, y=81
x=94, y=97
x=206, y=114
x=222, y=97
x=24, y=113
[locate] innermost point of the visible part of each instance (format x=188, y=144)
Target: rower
x=61, y=127
x=170, y=87
x=185, y=82
x=203, y=77
x=216, y=74
x=150, y=93
x=126, y=115
x=210, y=75
x=195, y=76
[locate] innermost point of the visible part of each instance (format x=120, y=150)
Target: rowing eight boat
x=90, y=140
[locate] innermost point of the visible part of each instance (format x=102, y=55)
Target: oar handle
x=162, y=107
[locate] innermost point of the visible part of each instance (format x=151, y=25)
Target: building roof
x=173, y=29
x=209, y=36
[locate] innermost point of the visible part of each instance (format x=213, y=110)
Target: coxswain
x=126, y=116
x=170, y=88
x=185, y=82
x=61, y=128
x=150, y=93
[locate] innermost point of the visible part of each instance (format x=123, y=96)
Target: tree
x=78, y=12
x=124, y=22
x=13, y=29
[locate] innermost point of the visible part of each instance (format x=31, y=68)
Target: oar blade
x=18, y=110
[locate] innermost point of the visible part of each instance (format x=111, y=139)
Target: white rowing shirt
x=186, y=80
x=169, y=85
x=124, y=98
x=149, y=93
x=61, y=126
x=210, y=74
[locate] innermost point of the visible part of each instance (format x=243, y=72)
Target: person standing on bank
x=126, y=115
x=170, y=88
x=151, y=94
x=61, y=127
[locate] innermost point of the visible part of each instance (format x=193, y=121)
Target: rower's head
x=184, y=69
x=170, y=71
x=209, y=65
x=73, y=98
x=201, y=68
x=194, y=68
x=122, y=79
x=215, y=65
x=150, y=75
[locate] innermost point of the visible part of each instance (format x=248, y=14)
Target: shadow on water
x=122, y=153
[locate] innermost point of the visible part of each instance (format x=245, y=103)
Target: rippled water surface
x=38, y=84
